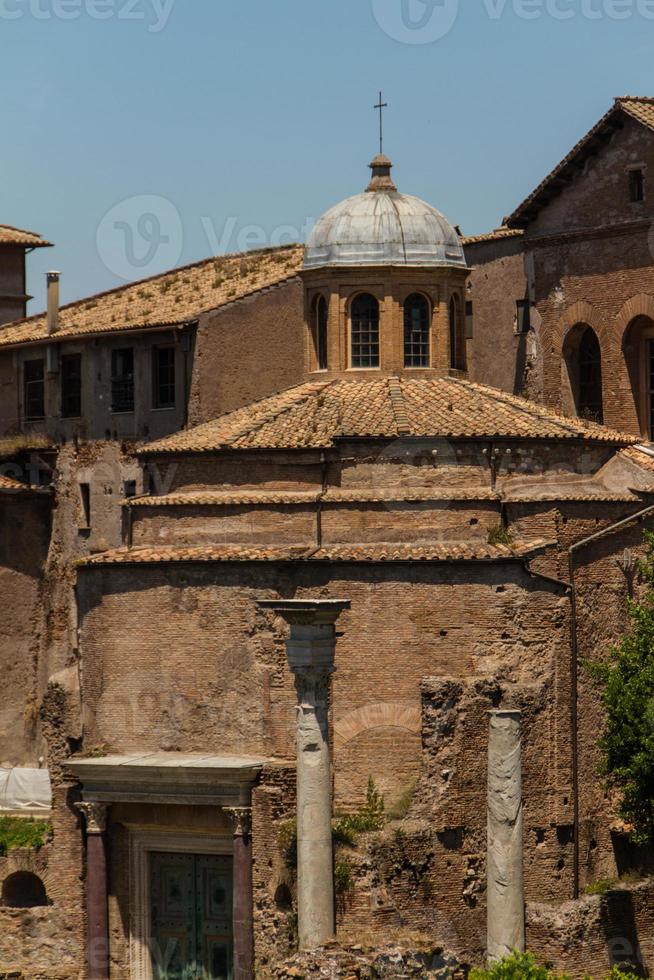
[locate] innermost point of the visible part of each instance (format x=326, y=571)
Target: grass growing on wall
x=23, y=832
x=524, y=966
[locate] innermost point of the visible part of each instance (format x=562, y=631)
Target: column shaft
x=97, y=910
x=505, y=891
x=314, y=811
x=243, y=900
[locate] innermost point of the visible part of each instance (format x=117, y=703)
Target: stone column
x=243, y=902
x=505, y=893
x=310, y=650
x=97, y=913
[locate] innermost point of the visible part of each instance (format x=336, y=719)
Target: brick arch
x=581, y=312
x=406, y=716
x=640, y=305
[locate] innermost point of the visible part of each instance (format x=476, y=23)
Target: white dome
x=383, y=227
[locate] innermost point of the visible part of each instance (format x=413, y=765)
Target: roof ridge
x=398, y=406
x=271, y=250
x=617, y=106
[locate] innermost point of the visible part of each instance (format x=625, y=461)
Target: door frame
x=141, y=844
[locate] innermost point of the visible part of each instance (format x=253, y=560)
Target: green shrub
x=627, y=742
x=600, y=887
x=524, y=966
x=23, y=832
x=342, y=877
x=499, y=535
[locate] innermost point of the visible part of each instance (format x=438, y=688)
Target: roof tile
x=316, y=414
x=174, y=297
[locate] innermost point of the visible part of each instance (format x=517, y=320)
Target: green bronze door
x=191, y=914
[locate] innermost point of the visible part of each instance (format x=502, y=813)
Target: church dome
x=383, y=227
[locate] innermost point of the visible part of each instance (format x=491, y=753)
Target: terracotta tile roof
x=446, y=551
x=171, y=298
x=316, y=414
x=569, y=495
x=226, y=498
x=18, y=236
x=638, y=456
x=638, y=107
x=493, y=236
x=230, y=498
x=7, y=485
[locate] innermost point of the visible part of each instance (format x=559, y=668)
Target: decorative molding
x=95, y=815
x=241, y=818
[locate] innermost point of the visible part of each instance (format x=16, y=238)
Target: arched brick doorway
x=582, y=374
x=638, y=351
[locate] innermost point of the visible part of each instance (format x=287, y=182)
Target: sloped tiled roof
x=493, y=236
x=173, y=297
x=18, y=236
x=335, y=495
x=640, y=108
x=445, y=551
x=9, y=485
x=315, y=414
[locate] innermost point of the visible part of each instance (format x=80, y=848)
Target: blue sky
x=145, y=133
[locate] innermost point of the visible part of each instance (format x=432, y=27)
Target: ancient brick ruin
x=296, y=584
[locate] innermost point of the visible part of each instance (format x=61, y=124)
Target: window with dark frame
x=85, y=501
x=71, y=386
x=590, y=377
x=320, y=320
x=416, y=331
x=365, y=331
x=163, y=377
x=457, y=338
x=469, y=320
x=523, y=310
x=122, y=380
x=34, y=390
x=636, y=186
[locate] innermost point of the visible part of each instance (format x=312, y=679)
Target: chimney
x=53, y=301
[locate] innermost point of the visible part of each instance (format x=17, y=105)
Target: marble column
x=243, y=901
x=310, y=650
x=505, y=893
x=95, y=815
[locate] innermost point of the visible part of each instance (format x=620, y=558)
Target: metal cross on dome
x=381, y=106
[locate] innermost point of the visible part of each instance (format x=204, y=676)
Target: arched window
x=416, y=331
x=320, y=332
x=582, y=379
x=365, y=331
x=457, y=337
x=23, y=890
x=589, y=404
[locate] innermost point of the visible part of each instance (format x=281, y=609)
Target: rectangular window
x=469, y=321
x=523, y=307
x=122, y=380
x=163, y=377
x=34, y=390
x=71, y=386
x=636, y=186
x=85, y=500
x=129, y=489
